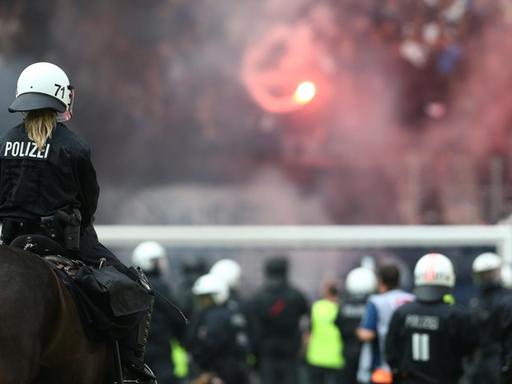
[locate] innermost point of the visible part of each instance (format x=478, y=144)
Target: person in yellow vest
x=324, y=353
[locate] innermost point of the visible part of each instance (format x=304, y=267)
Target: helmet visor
x=33, y=101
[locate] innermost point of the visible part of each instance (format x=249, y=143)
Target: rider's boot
x=132, y=354
x=133, y=346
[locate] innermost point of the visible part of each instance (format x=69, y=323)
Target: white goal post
x=330, y=237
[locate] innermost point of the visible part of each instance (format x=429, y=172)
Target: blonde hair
x=39, y=125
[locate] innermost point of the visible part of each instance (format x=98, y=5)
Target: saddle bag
x=114, y=303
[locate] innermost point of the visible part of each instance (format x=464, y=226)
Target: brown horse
x=41, y=336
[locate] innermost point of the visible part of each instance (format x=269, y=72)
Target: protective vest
x=180, y=359
x=325, y=348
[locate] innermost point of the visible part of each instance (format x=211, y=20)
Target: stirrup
x=145, y=376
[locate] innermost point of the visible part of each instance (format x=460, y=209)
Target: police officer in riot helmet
x=428, y=338
x=360, y=283
x=49, y=185
x=230, y=272
x=217, y=347
x=490, y=310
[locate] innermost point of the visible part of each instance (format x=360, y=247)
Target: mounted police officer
x=48, y=187
x=428, y=338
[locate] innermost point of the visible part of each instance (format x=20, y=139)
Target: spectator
x=375, y=323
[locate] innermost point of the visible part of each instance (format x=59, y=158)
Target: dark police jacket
x=492, y=315
x=489, y=312
x=214, y=343
x=36, y=183
x=352, y=310
x=427, y=341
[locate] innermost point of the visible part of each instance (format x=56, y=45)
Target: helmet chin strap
x=65, y=116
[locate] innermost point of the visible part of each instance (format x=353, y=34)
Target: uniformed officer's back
x=428, y=338
x=48, y=188
x=277, y=309
x=213, y=340
x=359, y=285
x=41, y=181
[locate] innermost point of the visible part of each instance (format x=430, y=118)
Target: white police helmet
x=211, y=285
x=229, y=271
x=44, y=86
x=146, y=253
x=361, y=281
x=433, y=277
x=487, y=261
x=488, y=270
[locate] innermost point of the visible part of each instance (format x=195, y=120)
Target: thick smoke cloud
x=410, y=124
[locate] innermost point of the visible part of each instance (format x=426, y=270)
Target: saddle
x=38, y=244
x=103, y=310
